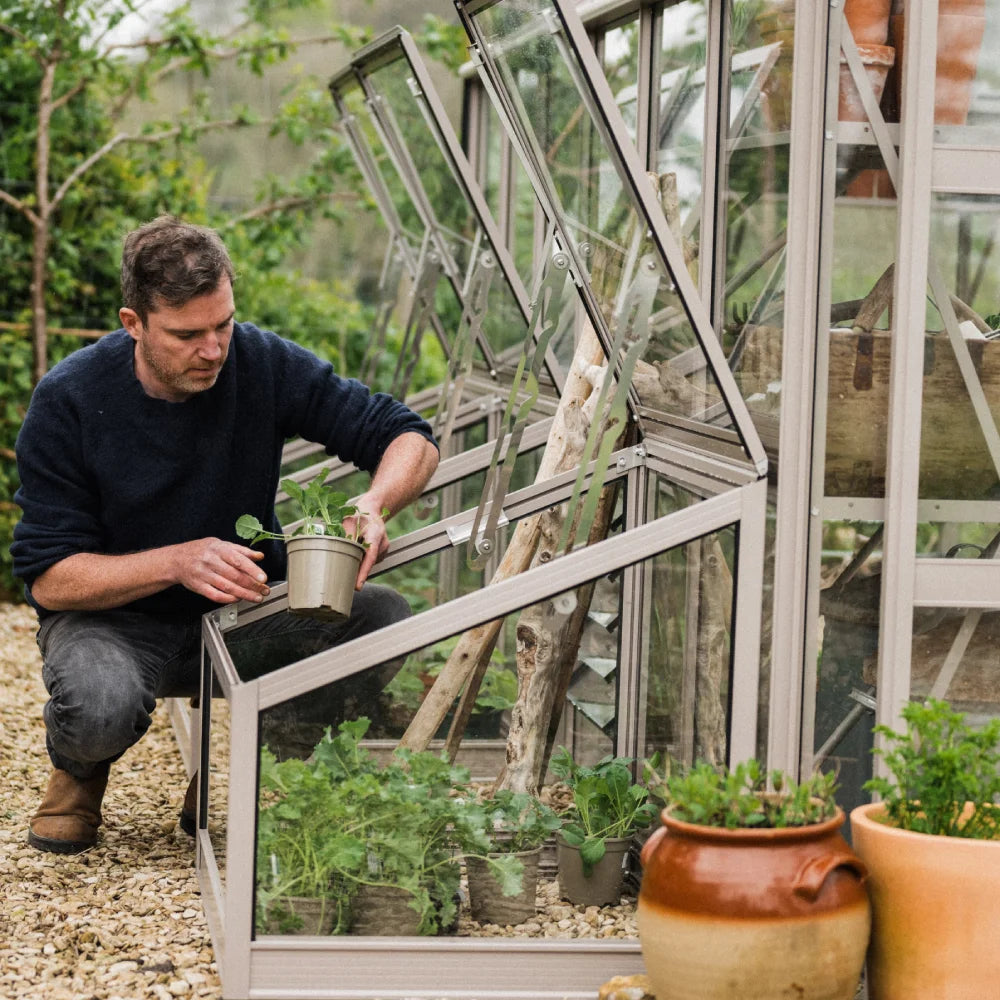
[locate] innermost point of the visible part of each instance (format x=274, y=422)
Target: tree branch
x=286, y=203
x=123, y=137
x=20, y=206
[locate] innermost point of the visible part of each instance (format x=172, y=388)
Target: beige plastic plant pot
x=322, y=571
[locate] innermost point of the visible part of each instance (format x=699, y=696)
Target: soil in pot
x=322, y=572
x=603, y=885
x=489, y=905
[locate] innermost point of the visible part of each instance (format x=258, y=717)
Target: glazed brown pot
x=936, y=911
x=752, y=914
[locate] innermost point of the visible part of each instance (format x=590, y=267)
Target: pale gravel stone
x=124, y=921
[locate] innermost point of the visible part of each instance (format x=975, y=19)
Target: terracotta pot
x=322, y=572
x=961, y=26
x=878, y=60
x=868, y=20
x=753, y=914
x=935, y=912
x=489, y=905
x=603, y=886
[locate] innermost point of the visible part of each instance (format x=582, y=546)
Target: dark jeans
x=104, y=670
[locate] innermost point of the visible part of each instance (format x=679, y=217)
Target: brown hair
x=169, y=262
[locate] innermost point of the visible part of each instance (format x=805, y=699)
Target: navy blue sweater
x=105, y=468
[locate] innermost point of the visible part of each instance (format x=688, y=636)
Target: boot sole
x=59, y=846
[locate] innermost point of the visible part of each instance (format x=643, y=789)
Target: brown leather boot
x=189, y=810
x=70, y=813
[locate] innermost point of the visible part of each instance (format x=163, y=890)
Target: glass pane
x=967, y=72
x=395, y=85
x=955, y=460
x=313, y=805
x=621, y=67
x=679, y=138
x=597, y=210
x=218, y=783
x=687, y=662
x=848, y=635
x=755, y=200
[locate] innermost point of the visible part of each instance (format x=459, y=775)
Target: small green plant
x=607, y=804
x=517, y=821
x=747, y=797
x=324, y=511
x=945, y=773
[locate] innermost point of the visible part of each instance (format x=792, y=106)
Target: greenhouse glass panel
x=564, y=119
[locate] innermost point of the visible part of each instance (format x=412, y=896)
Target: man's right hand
x=222, y=571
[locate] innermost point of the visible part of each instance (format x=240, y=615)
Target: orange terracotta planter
x=961, y=26
x=752, y=914
x=935, y=912
x=868, y=20
x=878, y=60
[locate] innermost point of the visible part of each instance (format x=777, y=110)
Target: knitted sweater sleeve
x=353, y=423
x=57, y=495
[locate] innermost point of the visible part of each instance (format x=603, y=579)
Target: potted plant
x=323, y=557
x=932, y=846
x=749, y=881
x=518, y=824
x=385, y=840
x=608, y=807
x=301, y=847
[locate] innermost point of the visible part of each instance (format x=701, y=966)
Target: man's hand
x=221, y=571
x=89, y=581
x=404, y=471
x=372, y=532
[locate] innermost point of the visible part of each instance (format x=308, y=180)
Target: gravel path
x=124, y=921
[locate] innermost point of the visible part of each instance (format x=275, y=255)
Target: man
x=136, y=457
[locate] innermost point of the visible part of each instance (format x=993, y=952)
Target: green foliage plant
x=324, y=511
x=341, y=820
x=517, y=821
x=945, y=773
x=747, y=797
x=607, y=804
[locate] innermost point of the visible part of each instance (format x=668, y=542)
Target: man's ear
x=130, y=320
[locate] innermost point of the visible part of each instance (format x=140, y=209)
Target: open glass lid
x=444, y=241
x=613, y=220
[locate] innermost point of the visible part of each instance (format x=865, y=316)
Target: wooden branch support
x=562, y=452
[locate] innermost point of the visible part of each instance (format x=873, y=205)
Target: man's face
x=180, y=351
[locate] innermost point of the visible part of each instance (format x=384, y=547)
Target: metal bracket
x=545, y=313
x=227, y=617
x=461, y=533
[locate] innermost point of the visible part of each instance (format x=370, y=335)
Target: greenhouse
x=715, y=290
